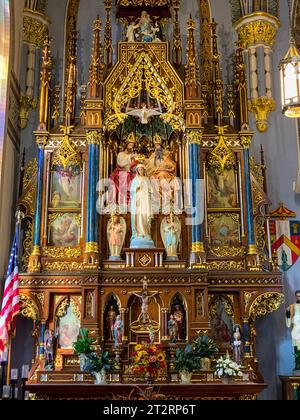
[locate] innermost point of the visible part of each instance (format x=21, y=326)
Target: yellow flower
x=161, y=357
x=138, y=347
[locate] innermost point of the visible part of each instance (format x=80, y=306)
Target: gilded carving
x=66, y=155
x=63, y=266
x=230, y=252
x=63, y=307
x=34, y=29
x=62, y=252
x=266, y=304
x=258, y=32
x=261, y=108
x=28, y=308
x=221, y=157
x=225, y=265
x=225, y=300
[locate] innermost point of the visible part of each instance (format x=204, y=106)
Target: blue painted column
x=42, y=339
x=252, y=257
x=91, y=247
x=249, y=202
x=247, y=350
x=34, y=260
x=194, y=138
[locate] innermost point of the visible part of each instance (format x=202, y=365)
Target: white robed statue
x=141, y=210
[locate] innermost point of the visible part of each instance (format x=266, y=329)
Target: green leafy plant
x=297, y=360
x=205, y=347
x=96, y=363
x=186, y=360
x=84, y=344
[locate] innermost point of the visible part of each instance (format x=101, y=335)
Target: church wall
x=11, y=145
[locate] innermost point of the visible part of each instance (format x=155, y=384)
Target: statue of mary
x=141, y=210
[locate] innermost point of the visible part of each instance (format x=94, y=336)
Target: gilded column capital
x=257, y=29
x=194, y=136
x=246, y=139
x=94, y=137
x=35, y=27
x=261, y=108
x=41, y=139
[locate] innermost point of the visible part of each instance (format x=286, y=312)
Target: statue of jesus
x=293, y=321
x=145, y=298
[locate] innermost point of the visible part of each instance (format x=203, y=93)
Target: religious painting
x=222, y=189
x=66, y=188
x=64, y=229
x=221, y=314
x=68, y=327
x=224, y=230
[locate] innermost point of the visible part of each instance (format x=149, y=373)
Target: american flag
x=10, y=303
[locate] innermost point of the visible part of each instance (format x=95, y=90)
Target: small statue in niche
x=173, y=330
x=89, y=305
x=118, y=332
x=116, y=233
x=49, y=341
x=171, y=235
x=237, y=345
x=111, y=319
x=179, y=319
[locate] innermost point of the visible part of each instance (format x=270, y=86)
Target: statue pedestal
x=144, y=258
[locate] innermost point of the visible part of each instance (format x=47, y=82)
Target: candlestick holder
x=3, y=376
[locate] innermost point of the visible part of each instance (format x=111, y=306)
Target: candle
x=14, y=374
x=27, y=393
x=4, y=357
x=16, y=393
x=25, y=372
x=6, y=392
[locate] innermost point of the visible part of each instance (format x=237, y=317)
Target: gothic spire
x=45, y=85
x=72, y=81
x=97, y=65
x=192, y=82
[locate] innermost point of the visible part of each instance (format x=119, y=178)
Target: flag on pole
x=10, y=302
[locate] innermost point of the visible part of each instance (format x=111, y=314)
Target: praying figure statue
x=173, y=330
x=131, y=31
x=171, y=235
x=237, y=345
x=141, y=210
x=116, y=233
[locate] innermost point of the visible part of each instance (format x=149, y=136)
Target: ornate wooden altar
x=221, y=273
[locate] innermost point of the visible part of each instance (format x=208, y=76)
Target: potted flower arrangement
x=98, y=365
x=186, y=362
x=148, y=361
x=206, y=349
x=227, y=369
x=83, y=347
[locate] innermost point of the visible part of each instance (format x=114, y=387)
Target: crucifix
x=145, y=297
